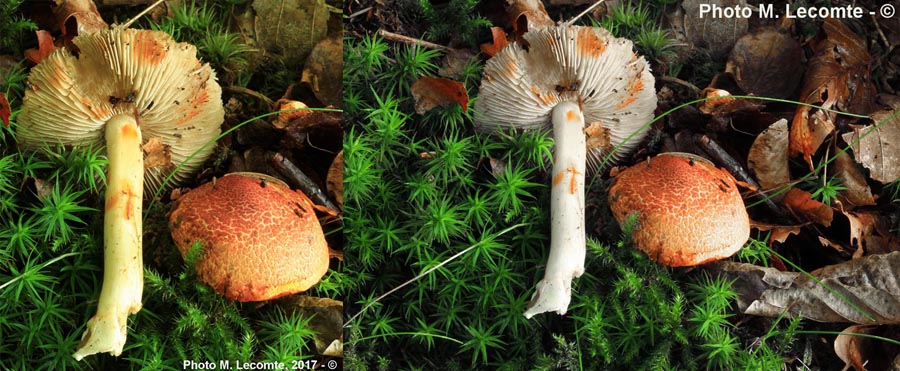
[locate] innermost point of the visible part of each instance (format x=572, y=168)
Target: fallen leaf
x=499, y=42
x=722, y=103
x=455, y=63
x=156, y=154
x=779, y=233
x=45, y=47
x=870, y=233
x=877, y=147
x=77, y=17
x=334, y=181
x=869, y=290
x=802, y=204
x=716, y=34
x=768, y=158
x=5, y=111
x=766, y=63
x=290, y=28
x=839, y=248
x=865, y=353
x=431, y=92
x=857, y=191
x=323, y=72
x=526, y=15
x=838, y=76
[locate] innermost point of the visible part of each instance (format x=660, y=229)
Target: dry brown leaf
x=334, y=181
x=768, y=158
x=455, y=62
x=323, y=72
x=291, y=28
x=864, y=353
x=834, y=245
x=838, y=76
x=77, y=17
x=5, y=111
x=45, y=47
x=725, y=104
x=869, y=290
x=431, y=92
x=870, y=233
x=156, y=154
x=525, y=15
x=857, y=192
x=879, y=148
x=780, y=233
x=801, y=203
x=717, y=34
x=766, y=63
x=499, y=42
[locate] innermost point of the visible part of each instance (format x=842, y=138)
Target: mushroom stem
x=123, y=272
x=567, y=240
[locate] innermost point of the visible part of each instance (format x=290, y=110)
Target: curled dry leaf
x=869, y=290
x=838, y=76
x=45, y=47
x=870, y=233
x=431, y=92
x=290, y=28
x=77, y=17
x=780, y=233
x=865, y=353
x=877, y=147
x=716, y=34
x=326, y=321
x=323, y=72
x=334, y=181
x=724, y=104
x=156, y=154
x=766, y=63
x=499, y=42
x=801, y=203
x=5, y=111
x=768, y=158
x=857, y=191
x=525, y=15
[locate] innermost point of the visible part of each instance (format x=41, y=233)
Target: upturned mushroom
x=260, y=239
x=125, y=88
x=688, y=212
x=595, y=94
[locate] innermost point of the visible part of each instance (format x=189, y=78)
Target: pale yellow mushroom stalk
x=593, y=93
x=152, y=104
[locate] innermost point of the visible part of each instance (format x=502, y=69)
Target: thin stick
x=360, y=12
x=723, y=159
x=681, y=82
x=299, y=179
x=239, y=89
x=571, y=21
x=411, y=41
x=141, y=14
x=423, y=274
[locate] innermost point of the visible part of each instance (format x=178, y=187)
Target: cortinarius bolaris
x=596, y=95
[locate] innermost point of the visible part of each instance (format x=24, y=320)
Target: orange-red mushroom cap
x=261, y=240
x=688, y=211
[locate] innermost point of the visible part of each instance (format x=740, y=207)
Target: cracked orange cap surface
x=688, y=211
x=261, y=240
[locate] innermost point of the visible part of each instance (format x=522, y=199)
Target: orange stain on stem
x=573, y=182
x=129, y=131
x=572, y=116
x=558, y=177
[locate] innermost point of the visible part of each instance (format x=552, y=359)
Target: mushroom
x=595, y=94
x=125, y=88
x=260, y=239
x=688, y=212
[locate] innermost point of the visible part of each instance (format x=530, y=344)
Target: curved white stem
x=567, y=239
x=123, y=269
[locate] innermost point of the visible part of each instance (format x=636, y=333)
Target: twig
x=298, y=179
x=242, y=90
x=141, y=14
x=681, y=82
x=723, y=159
x=360, y=12
x=411, y=41
x=571, y=21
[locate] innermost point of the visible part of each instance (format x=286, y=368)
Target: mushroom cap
x=522, y=84
x=126, y=71
x=261, y=240
x=689, y=212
